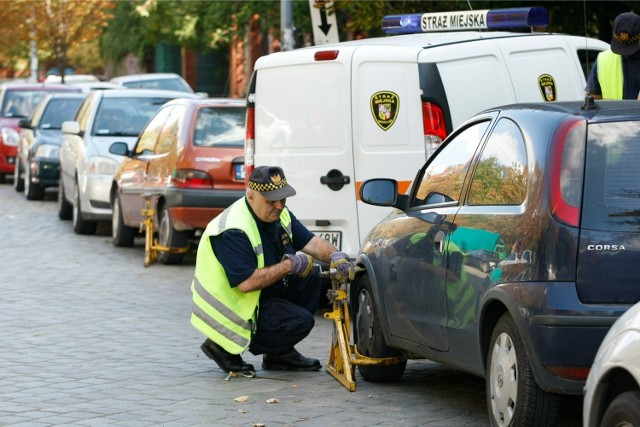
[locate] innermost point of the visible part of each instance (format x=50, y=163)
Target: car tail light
x=249, y=142
x=435, y=127
x=190, y=178
x=567, y=171
x=569, y=372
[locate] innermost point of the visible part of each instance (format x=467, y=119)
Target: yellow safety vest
x=610, y=75
x=223, y=313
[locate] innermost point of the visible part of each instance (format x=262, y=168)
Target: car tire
x=80, y=225
x=169, y=236
x=121, y=234
x=513, y=397
x=623, y=411
x=18, y=181
x=65, y=209
x=32, y=191
x=369, y=339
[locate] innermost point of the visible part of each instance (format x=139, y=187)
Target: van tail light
x=567, y=171
x=326, y=55
x=190, y=178
x=249, y=142
x=435, y=127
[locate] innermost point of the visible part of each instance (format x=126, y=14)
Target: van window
x=500, y=177
x=445, y=173
x=612, y=177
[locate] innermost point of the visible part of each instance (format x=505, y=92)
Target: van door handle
x=335, y=180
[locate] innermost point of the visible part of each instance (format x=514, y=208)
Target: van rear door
x=388, y=135
x=303, y=124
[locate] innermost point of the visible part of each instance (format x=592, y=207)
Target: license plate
x=239, y=169
x=333, y=237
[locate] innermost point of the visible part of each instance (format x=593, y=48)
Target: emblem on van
x=547, y=87
x=384, y=107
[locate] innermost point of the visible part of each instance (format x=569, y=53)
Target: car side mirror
x=382, y=192
x=119, y=148
x=25, y=123
x=71, y=127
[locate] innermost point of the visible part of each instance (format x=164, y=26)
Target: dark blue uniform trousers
x=285, y=314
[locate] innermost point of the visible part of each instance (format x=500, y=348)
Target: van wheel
x=65, y=209
x=31, y=190
x=513, y=397
x=624, y=411
x=169, y=236
x=121, y=235
x=80, y=225
x=18, y=181
x=369, y=339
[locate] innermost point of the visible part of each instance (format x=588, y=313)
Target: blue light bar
x=496, y=19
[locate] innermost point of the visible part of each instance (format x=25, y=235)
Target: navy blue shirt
x=234, y=251
x=631, y=73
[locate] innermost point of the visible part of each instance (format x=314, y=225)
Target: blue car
x=554, y=188
x=38, y=153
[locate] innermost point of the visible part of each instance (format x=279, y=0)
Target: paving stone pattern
x=90, y=337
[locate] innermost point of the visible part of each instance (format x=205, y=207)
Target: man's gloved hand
x=301, y=263
x=345, y=270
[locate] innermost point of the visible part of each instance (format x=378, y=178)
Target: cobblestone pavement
x=91, y=337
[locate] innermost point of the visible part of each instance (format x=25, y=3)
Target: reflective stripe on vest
x=610, y=75
x=223, y=313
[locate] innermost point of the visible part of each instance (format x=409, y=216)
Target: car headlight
x=10, y=137
x=48, y=151
x=101, y=166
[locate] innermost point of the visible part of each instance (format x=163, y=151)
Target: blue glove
x=345, y=270
x=301, y=263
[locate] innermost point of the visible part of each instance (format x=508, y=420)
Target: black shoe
x=290, y=361
x=228, y=362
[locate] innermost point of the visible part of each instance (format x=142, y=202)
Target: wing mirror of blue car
x=382, y=192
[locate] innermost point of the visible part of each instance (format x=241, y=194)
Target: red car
x=190, y=158
x=17, y=101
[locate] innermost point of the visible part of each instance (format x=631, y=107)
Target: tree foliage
x=55, y=25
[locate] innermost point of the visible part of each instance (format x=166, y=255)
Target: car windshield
x=220, y=126
x=160, y=84
x=21, y=103
x=58, y=111
x=125, y=116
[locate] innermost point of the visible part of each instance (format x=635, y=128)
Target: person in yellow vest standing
x=255, y=286
x=616, y=73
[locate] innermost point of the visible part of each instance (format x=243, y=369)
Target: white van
x=335, y=115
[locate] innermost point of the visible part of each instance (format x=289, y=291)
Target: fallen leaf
x=272, y=400
x=259, y=425
x=241, y=399
x=242, y=411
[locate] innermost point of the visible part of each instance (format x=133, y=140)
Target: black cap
x=271, y=183
x=626, y=34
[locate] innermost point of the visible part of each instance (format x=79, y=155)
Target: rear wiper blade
x=626, y=213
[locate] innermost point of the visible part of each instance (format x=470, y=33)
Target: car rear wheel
x=369, y=339
x=513, y=397
x=170, y=237
x=624, y=411
x=18, y=181
x=121, y=235
x=65, y=209
x=80, y=225
x=31, y=190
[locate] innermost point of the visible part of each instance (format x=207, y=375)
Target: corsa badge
x=547, y=87
x=384, y=107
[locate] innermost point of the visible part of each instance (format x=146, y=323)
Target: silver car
x=86, y=166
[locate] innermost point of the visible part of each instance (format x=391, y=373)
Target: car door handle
x=335, y=180
x=438, y=242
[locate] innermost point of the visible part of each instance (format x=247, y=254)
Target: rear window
x=220, y=127
x=612, y=177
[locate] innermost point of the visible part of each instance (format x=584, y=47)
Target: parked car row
x=106, y=149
